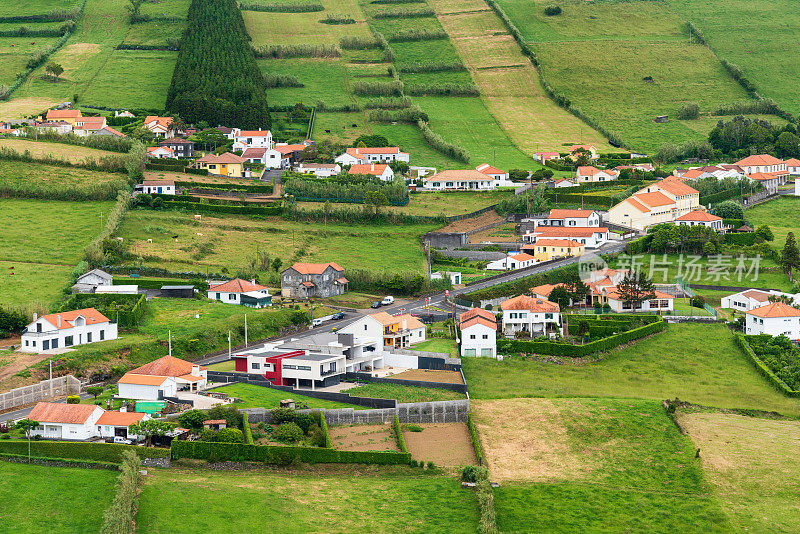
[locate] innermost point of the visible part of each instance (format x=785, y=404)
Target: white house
x=117, y=424
x=88, y=282
x=86, y=126
x=518, y=260
x=589, y=236
x=588, y=174
x=793, y=166
x=468, y=179
x=146, y=387
x=661, y=302
x=769, y=180
x=538, y=317
x=574, y=151
x=238, y=291
x=66, y=329
x=244, y=139
x=163, y=377
x=454, y=277
x=319, y=170
x=65, y=421
x=775, y=319
x=542, y=157
x=501, y=178
x=478, y=333
x=159, y=126
x=378, y=170
x=568, y=217
x=661, y=202
x=763, y=163
x=362, y=155
x=398, y=331
x=159, y=187
x=700, y=218
x=751, y=299
x=565, y=182
x=160, y=152
x=118, y=289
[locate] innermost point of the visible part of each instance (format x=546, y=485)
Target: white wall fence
x=44, y=390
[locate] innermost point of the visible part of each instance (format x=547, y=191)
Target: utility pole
x=229, y=344
x=245, y=330
x=169, y=341
x=101, y=223
x=51, y=378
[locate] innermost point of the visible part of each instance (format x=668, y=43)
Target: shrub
x=281, y=455
x=438, y=143
x=288, y=433
x=393, y=88
x=229, y=435
x=317, y=436
x=472, y=473
x=403, y=13
x=281, y=80
x=304, y=421
x=413, y=428
x=552, y=10
x=193, y=419
x=688, y=111
x=74, y=399
x=729, y=210
x=399, y=439
x=417, y=35
x=118, y=518
x=359, y=43
x=332, y=18
x=302, y=50
x=283, y=7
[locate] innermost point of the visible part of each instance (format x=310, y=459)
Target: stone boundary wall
x=454, y=411
x=44, y=390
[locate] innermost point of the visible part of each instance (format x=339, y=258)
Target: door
x=159, y=190
x=46, y=344
x=121, y=431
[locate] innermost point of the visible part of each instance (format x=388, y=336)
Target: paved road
x=23, y=413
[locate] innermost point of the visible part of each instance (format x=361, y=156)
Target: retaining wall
x=418, y=412
x=361, y=377
x=44, y=390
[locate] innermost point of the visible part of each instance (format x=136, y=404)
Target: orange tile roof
x=119, y=418
x=227, y=157
x=166, y=366
x=775, y=309
x=90, y=123
x=288, y=149
x=457, y=174
x=636, y=204
x=522, y=257
x=215, y=421
x=792, y=162
x=762, y=176
x=52, y=412
x=161, y=121
x=563, y=214
x=237, y=285
x=357, y=151
x=315, y=268
x=692, y=173
x=191, y=378
x=158, y=182
x=564, y=180
x=545, y=289
x=485, y=168
x=697, y=215
x=759, y=159
x=569, y=231
x=476, y=312
x=676, y=187
x=143, y=379
x=152, y=149
x=375, y=169
x=479, y=320
x=654, y=199
x=755, y=294
x=254, y=133
x=573, y=148
x=614, y=295
x=587, y=170
x=91, y=315
x=557, y=243
x=386, y=320
x=524, y=302
x=55, y=114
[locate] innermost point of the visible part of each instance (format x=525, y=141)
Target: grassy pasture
x=260, y=397
x=751, y=464
x=760, y=36
x=34, y=7
x=58, y=495
x=31, y=283
x=694, y=362
x=325, y=80
x=154, y=32
x=149, y=73
x=166, y=8
x=15, y=51
x=329, y=502
x=56, y=178
x=782, y=215
x=72, y=153
x=403, y=393
x=590, y=465
x=437, y=203
x=217, y=242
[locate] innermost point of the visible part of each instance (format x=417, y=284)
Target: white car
x=387, y=300
x=122, y=441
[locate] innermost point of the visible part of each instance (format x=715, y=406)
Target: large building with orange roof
x=661, y=202
x=306, y=280
x=478, y=333
x=161, y=378
x=775, y=319
x=243, y=292
x=397, y=331
x=532, y=315
x=57, y=331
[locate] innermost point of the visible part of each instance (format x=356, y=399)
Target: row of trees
x=216, y=77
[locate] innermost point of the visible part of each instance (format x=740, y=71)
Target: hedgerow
x=388, y=102
x=274, y=80
x=417, y=35
x=301, y=50
x=442, y=89
x=398, y=434
x=119, y=517
x=280, y=455
x=393, y=88
x=284, y=7
x=433, y=66
x=79, y=450
x=341, y=190
x=410, y=115
x=352, y=42
x=776, y=359
x=126, y=310
x=438, y=143
x=403, y=13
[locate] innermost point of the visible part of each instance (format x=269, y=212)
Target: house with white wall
x=378, y=170
x=565, y=182
x=793, y=166
x=462, y=180
x=549, y=249
x=163, y=377
x=763, y=163
x=146, y=387
x=588, y=236
x=500, y=177
x=159, y=126
x=160, y=152
x=66, y=329
x=478, y=333
x=319, y=170
x=751, y=299
x=517, y=260
x=590, y=174
x=570, y=217
x=453, y=276
x=364, y=155
x=700, y=218
x=89, y=281
x=661, y=202
x=118, y=424
x=775, y=319
x=537, y=317
x=244, y=139
x=242, y=292
x=575, y=150
x=770, y=181
x=398, y=331
x=159, y=187
x=661, y=302
x=76, y=422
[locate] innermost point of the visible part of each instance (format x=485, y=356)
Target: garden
x=780, y=356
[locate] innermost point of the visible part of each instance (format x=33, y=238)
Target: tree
x=787, y=145
x=764, y=232
x=635, y=288
x=74, y=399
x=790, y=256
x=94, y=390
x=276, y=264
x=27, y=425
x=149, y=428
x=193, y=419
x=370, y=141
x=54, y=69
x=709, y=249
x=729, y=209
x=560, y=296
x=133, y=10
x=210, y=139
x=689, y=111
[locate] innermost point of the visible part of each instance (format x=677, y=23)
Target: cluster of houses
x=767, y=170
x=767, y=312
x=64, y=121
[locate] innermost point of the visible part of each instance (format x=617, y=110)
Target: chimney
x=58, y=321
x=35, y=317
x=405, y=325
x=196, y=370
x=372, y=167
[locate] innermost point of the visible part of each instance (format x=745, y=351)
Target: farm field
x=57, y=494
x=750, y=464
x=400, y=393
x=260, y=397
x=15, y=51
x=444, y=444
x=694, y=362
x=509, y=84
x=63, y=181
x=294, y=502
x=230, y=242
x=363, y=438
x=587, y=57
x=34, y=7
x=762, y=55
x=782, y=215
x=185, y=177
x=32, y=284
x=585, y=465
x=434, y=203
x=438, y=345
x=71, y=153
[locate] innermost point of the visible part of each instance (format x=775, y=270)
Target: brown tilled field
x=445, y=444
x=363, y=438
x=473, y=223
x=430, y=375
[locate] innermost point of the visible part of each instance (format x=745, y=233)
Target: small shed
x=177, y=292
x=662, y=118
x=215, y=424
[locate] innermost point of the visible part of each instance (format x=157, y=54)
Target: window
x=54, y=343
x=287, y=366
x=218, y=296
x=472, y=336
x=88, y=337
x=231, y=296
x=46, y=344
x=654, y=304
x=469, y=352
x=38, y=327
x=548, y=315
x=303, y=367
x=365, y=327
x=485, y=336
x=486, y=352
x=102, y=335
x=256, y=365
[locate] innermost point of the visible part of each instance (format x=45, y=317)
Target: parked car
x=387, y=300
x=376, y=304
x=122, y=441
x=337, y=316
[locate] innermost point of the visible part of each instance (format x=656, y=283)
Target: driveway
x=201, y=402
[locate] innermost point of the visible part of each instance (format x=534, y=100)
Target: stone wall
x=44, y=390
x=454, y=411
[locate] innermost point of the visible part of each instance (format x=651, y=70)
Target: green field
x=434, y=203
x=284, y=502
x=403, y=393
x=54, y=499
x=598, y=465
x=756, y=35
x=607, y=81
x=35, y=284
x=230, y=242
x=782, y=215
x=59, y=180
x=72, y=153
x=15, y=51
x=447, y=346
x=695, y=362
x=34, y=7
x=260, y=397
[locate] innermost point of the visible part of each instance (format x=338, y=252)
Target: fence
x=361, y=377
x=454, y=411
x=681, y=283
x=44, y=390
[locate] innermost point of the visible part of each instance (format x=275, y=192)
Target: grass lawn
x=752, y=466
x=15, y=51
x=33, y=284
x=781, y=214
x=227, y=366
x=324, y=80
x=762, y=55
x=229, y=242
x=351, y=299
x=695, y=362
x=593, y=465
x=54, y=499
x=73, y=153
x=154, y=32
x=434, y=203
x=292, y=502
x=34, y=7
x=59, y=180
x=260, y=397
x=403, y=393
x=438, y=345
